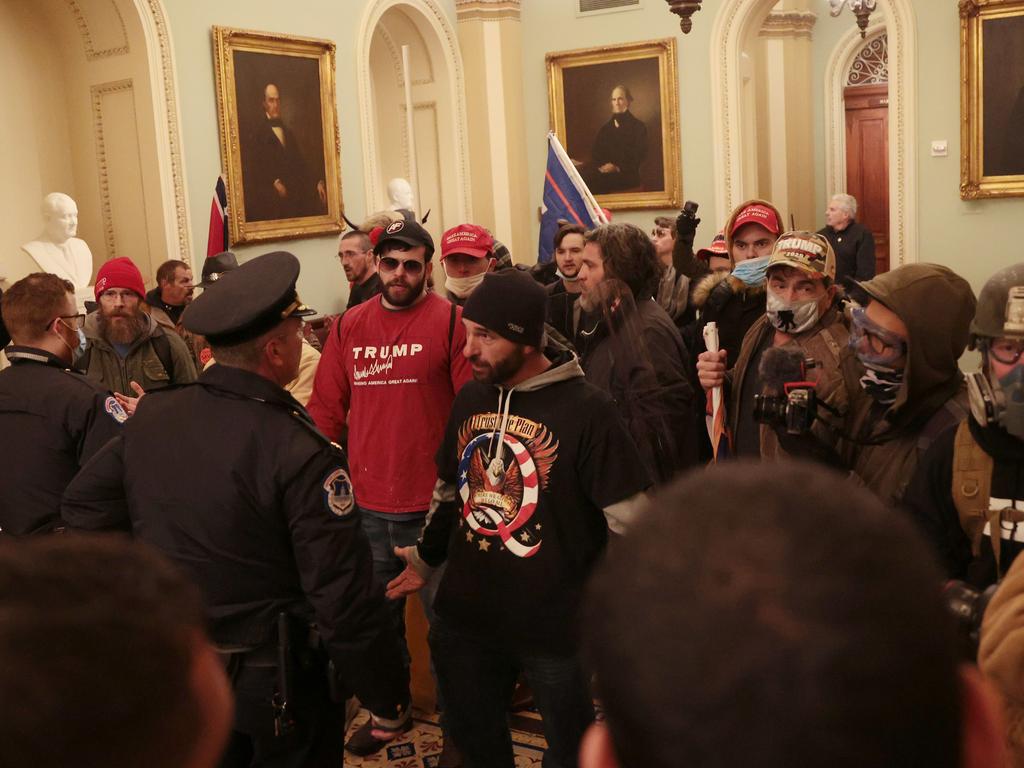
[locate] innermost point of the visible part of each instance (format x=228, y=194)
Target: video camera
x=794, y=406
x=968, y=605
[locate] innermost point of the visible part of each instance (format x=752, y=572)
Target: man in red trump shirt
x=390, y=369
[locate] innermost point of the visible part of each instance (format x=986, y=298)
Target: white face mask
x=794, y=317
x=462, y=286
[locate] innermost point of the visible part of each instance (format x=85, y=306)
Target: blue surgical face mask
x=76, y=351
x=752, y=272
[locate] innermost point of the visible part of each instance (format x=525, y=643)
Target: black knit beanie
x=510, y=303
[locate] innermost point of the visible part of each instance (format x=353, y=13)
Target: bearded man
x=127, y=351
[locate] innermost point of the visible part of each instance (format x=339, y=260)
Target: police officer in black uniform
x=52, y=418
x=230, y=478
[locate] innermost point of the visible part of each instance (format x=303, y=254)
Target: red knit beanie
x=120, y=273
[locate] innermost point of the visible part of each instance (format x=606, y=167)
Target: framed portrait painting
x=616, y=111
x=991, y=98
x=278, y=134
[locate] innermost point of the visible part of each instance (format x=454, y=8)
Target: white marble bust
x=400, y=195
x=57, y=250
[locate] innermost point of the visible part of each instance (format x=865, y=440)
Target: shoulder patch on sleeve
x=338, y=493
x=116, y=411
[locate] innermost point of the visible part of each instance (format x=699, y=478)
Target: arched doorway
x=99, y=121
x=441, y=148
x=734, y=176
x=857, y=131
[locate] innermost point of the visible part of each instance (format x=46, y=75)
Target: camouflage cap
x=806, y=251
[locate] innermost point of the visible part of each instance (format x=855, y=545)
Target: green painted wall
x=322, y=282
x=975, y=238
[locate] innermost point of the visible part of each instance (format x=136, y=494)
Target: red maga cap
x=758, y=214
x=469, y=239
x=717, y=248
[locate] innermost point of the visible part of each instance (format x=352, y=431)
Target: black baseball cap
x=409, y=233
x=260, y=295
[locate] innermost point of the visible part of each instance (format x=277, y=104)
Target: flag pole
x=410, y=132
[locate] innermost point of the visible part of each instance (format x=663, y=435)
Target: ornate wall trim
x=97, y=93
x=871, y=64
x=730, y=28
x=395, y=52
x=487, y=10
x=789, y=24
x=434, y=18
x=160, y=53
x=91, y=53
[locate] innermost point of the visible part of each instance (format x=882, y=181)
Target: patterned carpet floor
x=421, y=747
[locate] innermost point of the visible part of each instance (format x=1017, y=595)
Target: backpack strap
x=451, y=330
x=162, y=347
x=972, y=489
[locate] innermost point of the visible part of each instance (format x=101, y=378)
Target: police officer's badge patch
x=116, y=411
x=338, y=493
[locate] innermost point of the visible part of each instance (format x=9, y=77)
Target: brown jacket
x=1001, y=655
x=936, y=305
x=826, y=342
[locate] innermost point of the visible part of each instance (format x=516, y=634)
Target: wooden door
x=867, y=162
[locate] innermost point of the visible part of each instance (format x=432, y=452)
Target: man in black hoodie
x=532, y=483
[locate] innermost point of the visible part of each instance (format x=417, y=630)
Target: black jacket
x=638, y=357
x=929, y=498
x=230, y=478
x=52, y=419
x=855, y=252
x=561, y=309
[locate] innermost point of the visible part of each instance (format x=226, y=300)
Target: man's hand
x=711, y=369
x=131, y=403
x=409, y=580
x=609, y=168
x=282, y=190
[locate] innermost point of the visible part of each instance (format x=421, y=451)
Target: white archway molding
x=730, y=28
x=167, y=116
x=435, y=20
x=836, y=72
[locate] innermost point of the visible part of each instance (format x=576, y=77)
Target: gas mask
x=792, y=317
x=998, y=401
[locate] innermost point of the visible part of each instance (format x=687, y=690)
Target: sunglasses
x=390, y=264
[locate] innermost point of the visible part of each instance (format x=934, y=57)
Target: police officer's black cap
x=409, y=233
x=215, y=266
x=260, y=295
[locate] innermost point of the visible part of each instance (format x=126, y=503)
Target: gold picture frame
x=991, y=99
x=280, y=147
x=581, y=83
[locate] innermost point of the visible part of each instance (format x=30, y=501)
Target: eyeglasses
x=390, y=264
x=1007, y=351
x=114, y=294
x=77, y=321
x=873, y=342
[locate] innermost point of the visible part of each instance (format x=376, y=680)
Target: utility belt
x=296, y=649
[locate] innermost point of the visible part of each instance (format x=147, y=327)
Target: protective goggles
x=1006, y=351
x=873, y=343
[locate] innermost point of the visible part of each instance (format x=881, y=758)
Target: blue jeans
x=385, y=534
x=477, y=676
